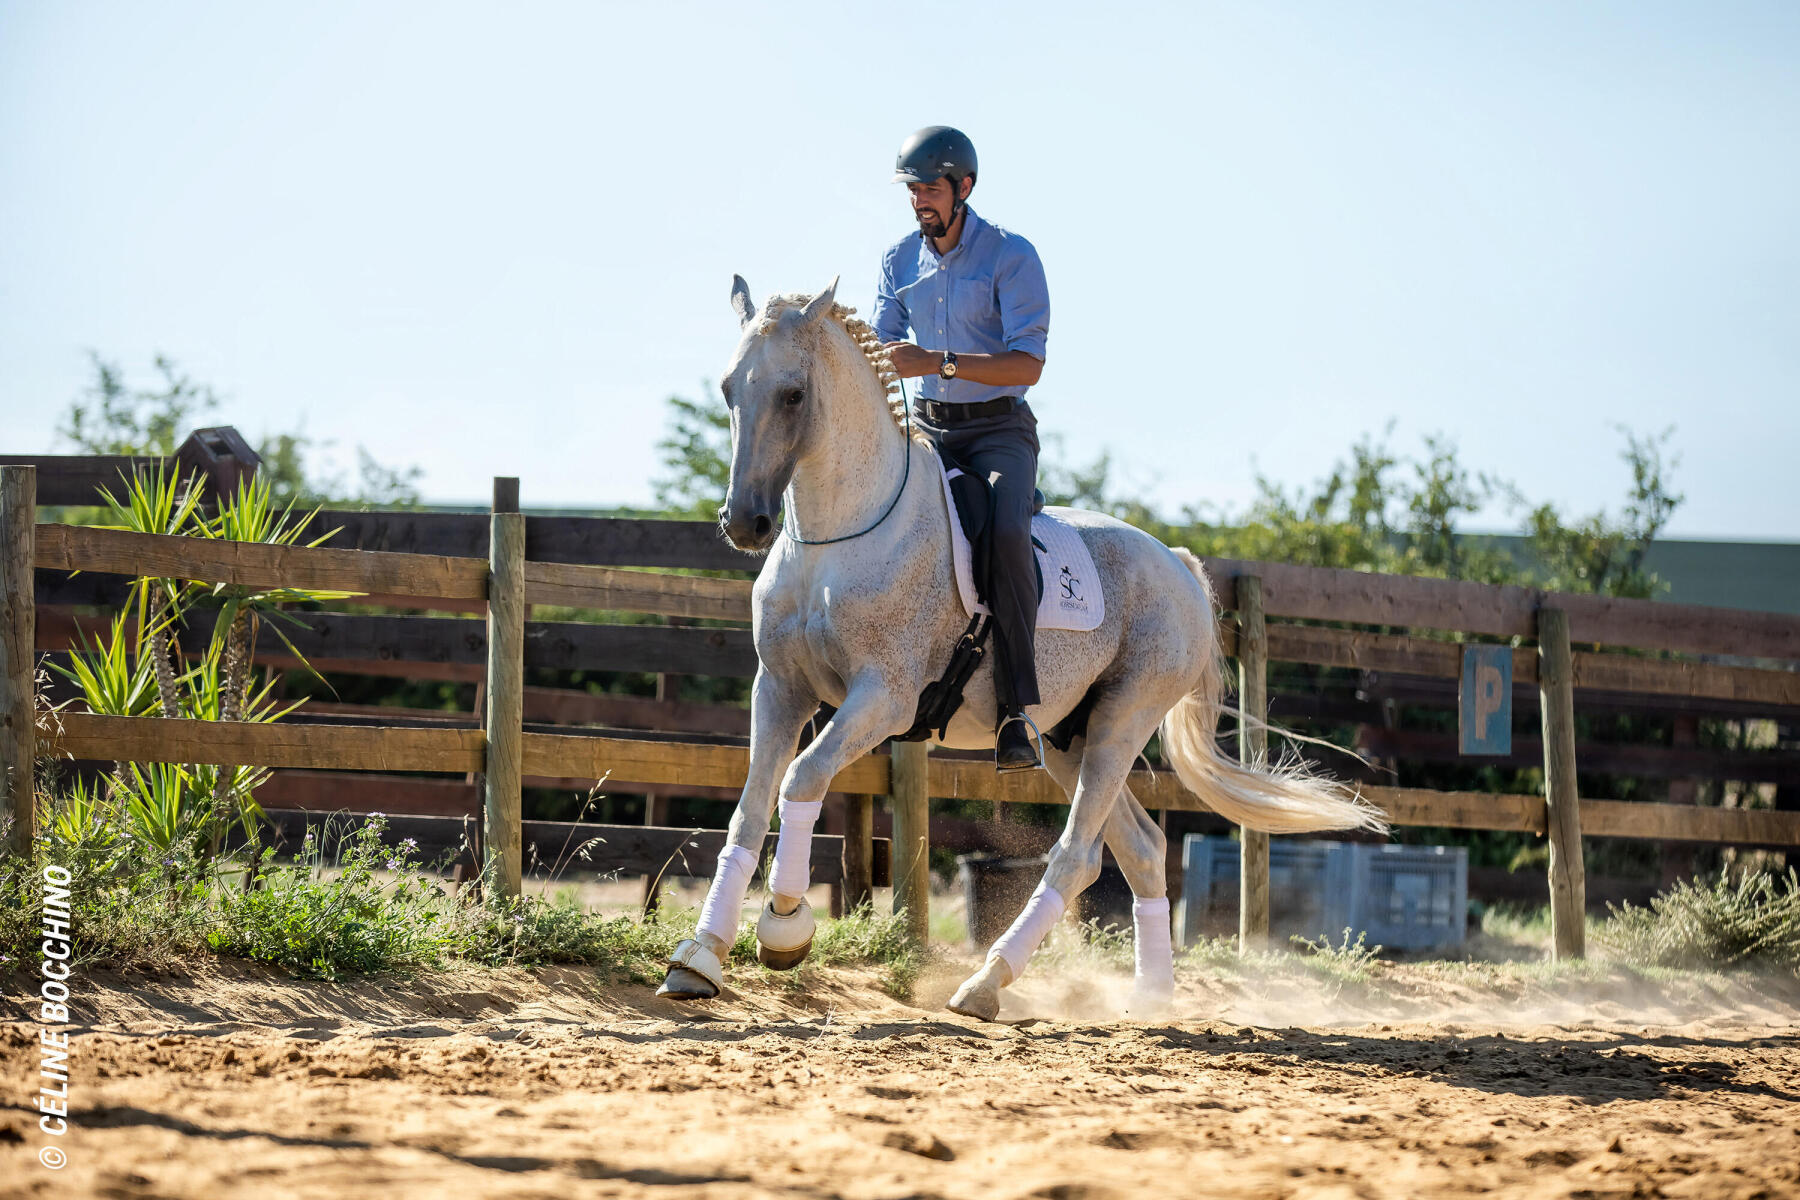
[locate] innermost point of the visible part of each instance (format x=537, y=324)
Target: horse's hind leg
x=1116, y=732
x=1141, y=849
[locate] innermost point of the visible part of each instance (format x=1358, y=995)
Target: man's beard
x=934, y=227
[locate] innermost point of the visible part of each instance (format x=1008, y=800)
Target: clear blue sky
x=490, y=239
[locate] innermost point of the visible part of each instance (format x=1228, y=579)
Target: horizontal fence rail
x=153, y=739
x=1315, y=593
x=580, y=845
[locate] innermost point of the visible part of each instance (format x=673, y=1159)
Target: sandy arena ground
x=540, y=1084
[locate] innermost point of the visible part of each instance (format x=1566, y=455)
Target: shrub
x=353, y=921
x=1754, y=918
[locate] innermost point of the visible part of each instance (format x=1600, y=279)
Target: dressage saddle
x=942, y=697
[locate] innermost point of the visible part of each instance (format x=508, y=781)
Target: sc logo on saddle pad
x=1071, y=589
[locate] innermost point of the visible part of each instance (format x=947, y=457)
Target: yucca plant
x=231, y=788
x=82, y=822
x=157, y=811
x=116, y=677
x=249, y=515
x=158, y=500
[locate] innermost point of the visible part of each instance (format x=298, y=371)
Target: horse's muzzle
x=750, y=530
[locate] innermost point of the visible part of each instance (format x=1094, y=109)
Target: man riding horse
x=859, y=598
x=973, y=295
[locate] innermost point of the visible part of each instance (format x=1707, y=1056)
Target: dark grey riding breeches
x=1004, y=449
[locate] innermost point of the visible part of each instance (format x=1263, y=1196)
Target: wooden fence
x=431, y=561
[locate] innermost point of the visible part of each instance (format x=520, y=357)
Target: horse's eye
x=792, y=397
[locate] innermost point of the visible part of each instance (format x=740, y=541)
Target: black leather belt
x=956, y=414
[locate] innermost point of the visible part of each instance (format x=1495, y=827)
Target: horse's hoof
x=783, y=942
x=782, y=960
x=683, y=984
x=978, y=1000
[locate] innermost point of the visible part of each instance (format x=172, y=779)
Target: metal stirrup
x=1020, y=716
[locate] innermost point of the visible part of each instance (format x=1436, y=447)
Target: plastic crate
x=1302, y=877
x=1400, y=897
x=1409, y=897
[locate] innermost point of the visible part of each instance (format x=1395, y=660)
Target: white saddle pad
x=1072, y=595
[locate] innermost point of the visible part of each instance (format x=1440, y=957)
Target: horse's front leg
x=778, y=711
x=873, y=709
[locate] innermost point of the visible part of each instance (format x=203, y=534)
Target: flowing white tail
x=1286, y=798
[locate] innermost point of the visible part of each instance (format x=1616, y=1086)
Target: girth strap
x=942, y=697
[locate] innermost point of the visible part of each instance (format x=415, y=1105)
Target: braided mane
x=861, y=333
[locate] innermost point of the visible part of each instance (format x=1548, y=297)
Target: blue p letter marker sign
x=1486, y=700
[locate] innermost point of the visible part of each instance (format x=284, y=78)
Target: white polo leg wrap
x=1018, y=944
x=793, y=848
x=724, y=905
x=1155, y=954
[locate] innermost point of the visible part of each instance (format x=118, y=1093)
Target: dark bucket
x=995, y=889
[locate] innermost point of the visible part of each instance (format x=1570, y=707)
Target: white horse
x=864, y=623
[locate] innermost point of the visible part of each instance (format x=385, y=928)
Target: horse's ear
x=740, y=300
x=821, y=304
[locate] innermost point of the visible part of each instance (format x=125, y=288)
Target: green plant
x=231, y=789
x=158, y=501
x=83, y=827
x=1725, y=922
x=353, y=920
x=115, y=676
x=249, y=515
x=865, y=936
x=1350, y=962
x=156, y=807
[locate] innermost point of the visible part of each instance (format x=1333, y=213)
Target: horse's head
x=769, y=387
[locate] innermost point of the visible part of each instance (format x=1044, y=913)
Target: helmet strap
x=957, y=202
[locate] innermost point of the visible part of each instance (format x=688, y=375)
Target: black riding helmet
x=934, y=152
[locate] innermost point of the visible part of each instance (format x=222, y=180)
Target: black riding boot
x=1013, y=750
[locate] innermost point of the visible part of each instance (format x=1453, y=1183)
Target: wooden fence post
x=1568, y=879
x=859, y=851
x=503, y=716
x=1253, y=746
x=910, y=776
x=18, y=636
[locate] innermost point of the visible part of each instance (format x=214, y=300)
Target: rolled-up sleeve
x=1024, y=298
x=890, y=314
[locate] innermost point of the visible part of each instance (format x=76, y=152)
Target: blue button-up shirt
x=985, y=296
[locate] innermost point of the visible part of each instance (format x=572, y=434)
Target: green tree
x=1600, y=554
x=696, y=458
x=110, y=417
